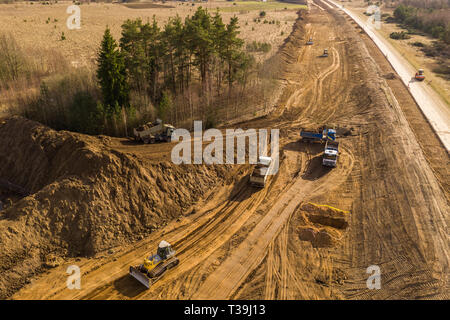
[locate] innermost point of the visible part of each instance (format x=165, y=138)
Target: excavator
x=155, y=265
x=420, y=75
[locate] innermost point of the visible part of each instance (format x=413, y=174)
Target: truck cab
x=329, y=134
x=167, y=134
x=261, y=172
x=330, y=154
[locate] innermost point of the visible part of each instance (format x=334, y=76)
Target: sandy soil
x=248, y=243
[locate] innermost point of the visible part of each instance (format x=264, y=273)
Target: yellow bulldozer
x=154, y=266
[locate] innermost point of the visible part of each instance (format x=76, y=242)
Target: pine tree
x=154, y=52
x=170, y=39
x=111, y=75
x=164, y=107
x=132, y=46
x=219, y=35
x=85, y=114
x=232, y=50
x=201, y=41
x=182, y=54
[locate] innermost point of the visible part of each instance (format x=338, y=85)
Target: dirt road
x=243, y=243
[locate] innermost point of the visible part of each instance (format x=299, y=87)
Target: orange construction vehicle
x=420, y=75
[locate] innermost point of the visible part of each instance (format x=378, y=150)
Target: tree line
x=435, y=22
x=163, y=63
x=189, y=69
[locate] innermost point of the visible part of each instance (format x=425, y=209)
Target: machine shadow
x=315, y=169
x=128, y=286
x=130, y=142
x=300, y=146
x=243, y=190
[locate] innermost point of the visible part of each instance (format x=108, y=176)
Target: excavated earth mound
x=325, y=215
x=323, y=226
x=79, y=197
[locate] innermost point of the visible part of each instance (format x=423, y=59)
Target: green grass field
x=264, y=6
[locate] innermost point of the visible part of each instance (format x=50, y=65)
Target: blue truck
x=324, y=134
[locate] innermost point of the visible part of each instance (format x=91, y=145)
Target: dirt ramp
x=84, y=197
x=326, y=215
x=322, y=225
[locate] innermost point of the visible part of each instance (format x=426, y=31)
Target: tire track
x=225, y=280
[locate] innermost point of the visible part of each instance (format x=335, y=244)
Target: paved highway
x=435, y=109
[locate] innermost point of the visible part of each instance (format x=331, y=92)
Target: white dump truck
x=261, y=172
x=330, y=154
x=153, y=132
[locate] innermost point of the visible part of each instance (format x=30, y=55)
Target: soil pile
x=83, y=197
x=323, y=225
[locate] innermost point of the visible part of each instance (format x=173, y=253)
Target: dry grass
x=37, y=29
x=27, y=23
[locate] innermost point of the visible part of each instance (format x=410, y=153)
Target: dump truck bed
x=311, y=135
x=332, y=145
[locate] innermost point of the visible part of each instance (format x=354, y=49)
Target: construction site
x=363, y=181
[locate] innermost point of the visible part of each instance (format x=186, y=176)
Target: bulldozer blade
x=139, y=276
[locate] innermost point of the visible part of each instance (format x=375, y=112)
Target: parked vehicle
x=155, y=265
x=330, y=154
x=420, y=75
x=261, y=172
x=323, y=134
x=153, y=132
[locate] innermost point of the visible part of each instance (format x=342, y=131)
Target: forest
x=193, y=69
